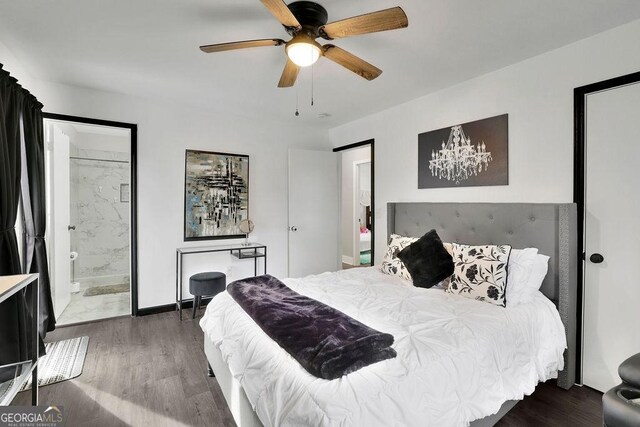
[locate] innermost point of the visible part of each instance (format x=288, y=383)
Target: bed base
x=243, y=413
x=245, y=416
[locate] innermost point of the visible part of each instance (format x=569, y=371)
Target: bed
x=437, y=378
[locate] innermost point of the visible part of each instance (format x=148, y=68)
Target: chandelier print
x=459, y=159
x=467, y=154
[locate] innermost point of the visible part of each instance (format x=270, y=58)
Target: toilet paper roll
x=74, y=256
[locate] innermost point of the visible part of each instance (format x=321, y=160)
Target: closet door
x=313, y=212
x=612, y=234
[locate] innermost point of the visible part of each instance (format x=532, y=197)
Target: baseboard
x=347, y=260
x=104, y=319
x=157, y=309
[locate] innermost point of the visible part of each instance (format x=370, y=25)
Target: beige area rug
x=64, y=360
x=106, y=289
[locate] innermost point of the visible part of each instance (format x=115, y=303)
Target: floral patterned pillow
x=480, y=272
x=391, y=264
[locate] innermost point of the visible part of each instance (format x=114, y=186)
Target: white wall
x=11, y=64
x=347, y=220
x=538, y=96
x=164, y=132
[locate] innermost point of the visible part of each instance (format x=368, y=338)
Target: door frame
x=370, y=142
x=133, y=192
x=579, y=122
x=356, y=203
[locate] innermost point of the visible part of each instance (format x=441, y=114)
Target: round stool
x=206, y=284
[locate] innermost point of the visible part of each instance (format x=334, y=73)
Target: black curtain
x=36, y=251
x=22, y=175
x=13, y=312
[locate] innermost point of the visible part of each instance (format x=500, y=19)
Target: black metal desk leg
x=180, y=285
x=177, y=254
x=35, y=339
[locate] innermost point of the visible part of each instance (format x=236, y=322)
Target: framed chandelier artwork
x=216, y=195
x=465, y=155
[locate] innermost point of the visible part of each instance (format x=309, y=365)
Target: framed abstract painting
x=465, y=155
x=216, y=195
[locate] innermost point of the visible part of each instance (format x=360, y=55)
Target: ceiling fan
x=305, y=21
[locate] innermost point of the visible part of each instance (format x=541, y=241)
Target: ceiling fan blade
x=351, y=62
x=281, y=12
x=289, y=75
x=382, y=20
x=221, y=47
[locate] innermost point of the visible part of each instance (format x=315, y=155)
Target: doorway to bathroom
x=356, y=201
x=90, y=180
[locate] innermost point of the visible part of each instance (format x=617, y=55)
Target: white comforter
x=458, y=359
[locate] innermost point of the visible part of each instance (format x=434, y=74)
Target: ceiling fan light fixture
x=303, y=51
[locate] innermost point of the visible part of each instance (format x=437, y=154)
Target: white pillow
x=540, y=269
x=391, y=264
x=524, y=291
x=519, y=269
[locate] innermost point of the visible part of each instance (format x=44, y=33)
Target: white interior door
x=612, y=229
x=313, y=212
x=60, y=218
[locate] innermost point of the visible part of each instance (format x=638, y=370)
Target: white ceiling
x=150, y=48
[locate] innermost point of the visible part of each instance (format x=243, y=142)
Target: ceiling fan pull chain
x=297, y=113
x=312, y=67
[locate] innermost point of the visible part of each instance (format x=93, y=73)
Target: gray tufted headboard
x=549, y=227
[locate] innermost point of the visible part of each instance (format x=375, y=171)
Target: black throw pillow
x=427, y=260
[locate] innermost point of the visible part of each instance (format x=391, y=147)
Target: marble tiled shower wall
x=101, y=237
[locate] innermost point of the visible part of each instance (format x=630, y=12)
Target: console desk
x=240, y=251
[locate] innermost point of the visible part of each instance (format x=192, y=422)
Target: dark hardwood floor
x=551, y=406
x=147, y=371
x=151, y=371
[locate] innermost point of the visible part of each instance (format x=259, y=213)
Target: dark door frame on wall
x=133, y=191
x=370, y=142
x=580, y=121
